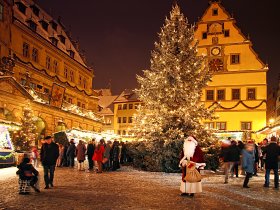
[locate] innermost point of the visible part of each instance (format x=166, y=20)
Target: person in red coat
x=191, y=152
x=99, y=154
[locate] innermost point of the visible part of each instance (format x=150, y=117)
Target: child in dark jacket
x=28, y=176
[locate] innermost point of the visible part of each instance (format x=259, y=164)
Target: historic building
x=238, y=88
x=42, y=67
x=106, y=109
x=125, y=106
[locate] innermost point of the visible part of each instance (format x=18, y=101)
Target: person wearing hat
x=191, y=156
x=272, y=152
x=49, y=154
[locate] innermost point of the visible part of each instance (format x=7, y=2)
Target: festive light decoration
x=25, y=138
x=171, y=90
x=5, y=139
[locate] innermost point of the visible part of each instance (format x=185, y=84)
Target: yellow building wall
x=250, y=72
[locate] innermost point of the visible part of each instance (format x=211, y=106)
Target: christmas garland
x=239, y=102
x=5, y=157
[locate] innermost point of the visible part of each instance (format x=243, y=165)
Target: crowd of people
x=101, y=156
x=250, y=158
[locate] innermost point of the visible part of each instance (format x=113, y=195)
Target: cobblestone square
x=132, y=189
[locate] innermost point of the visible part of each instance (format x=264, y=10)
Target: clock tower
x=238, y=86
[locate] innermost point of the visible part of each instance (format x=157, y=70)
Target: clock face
x=215, y=51
x=216, y=65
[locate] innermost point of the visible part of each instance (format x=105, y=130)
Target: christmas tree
x=25, y=138
x=171, y=91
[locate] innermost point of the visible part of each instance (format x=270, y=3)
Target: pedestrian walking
x=71, y=153
x=272, y=152
x=106, y=159
x=256, y=152
x=81, y=155
x=123, y=153
x=60, y=157
x=90, y=152
x=65, y=161
x=49, y=154
x=226, y=157
x=28, y=176
x=235, y=157
x=191, y=159
x=99, y=154
x=248, y=162
x=264, y=144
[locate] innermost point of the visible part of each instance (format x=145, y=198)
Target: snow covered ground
x=133, y=189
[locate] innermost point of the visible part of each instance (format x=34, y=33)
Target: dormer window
x=54, y=25
x=21, y=7
x=71, y=53
x=32, y=25
x=35, y=10
x=215, y=12
x=44, y=25
x=62, y=38
x=54, y=41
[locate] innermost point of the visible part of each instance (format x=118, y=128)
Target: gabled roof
x=106, y=101
x=51, y=32
x=127, y=96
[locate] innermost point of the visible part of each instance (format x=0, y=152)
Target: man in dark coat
x=226, y=157
x=235, y=157
x=49, y=154
x=90, y=153
x=71, y=153
x=272, y=152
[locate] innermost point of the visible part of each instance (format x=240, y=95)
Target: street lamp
x=271, y=121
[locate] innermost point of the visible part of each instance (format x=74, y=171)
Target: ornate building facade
x=238, y=86
x=42, y=67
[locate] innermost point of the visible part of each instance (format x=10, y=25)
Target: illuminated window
x=124, y=119
x=85, y=83
x=235, y=94
x=119, y=120
x=35, y=55
x=209, y=125
x=48, y=62
x=220, y=94
x=251, y=94
x=119, y=107
x=66, y=72
x=71, y=76
x=221, y=125
x=130, y=106
x=234, y=58
x=209, y=95
x=1, y=12
x=215, y=12
x=246, y=125
x=226, y=33
x=55, y=66
x=25, y=50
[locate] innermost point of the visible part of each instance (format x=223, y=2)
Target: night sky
x=118, y=36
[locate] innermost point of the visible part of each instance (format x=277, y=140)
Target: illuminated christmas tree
x=25, y=138
x=171, y=91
